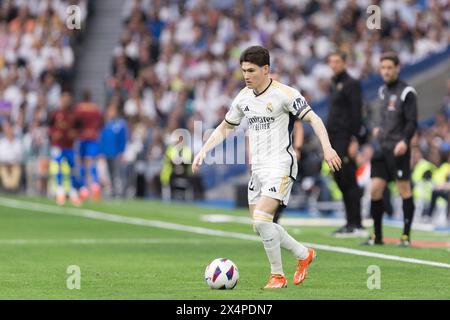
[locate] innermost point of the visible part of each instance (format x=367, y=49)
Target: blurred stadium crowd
x=177, y=62
x=36, y=61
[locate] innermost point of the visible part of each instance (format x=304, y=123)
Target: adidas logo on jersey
x=246, y=109
x=273, y=189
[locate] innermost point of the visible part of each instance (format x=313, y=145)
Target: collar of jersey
x=258, y=94
x=393, y=84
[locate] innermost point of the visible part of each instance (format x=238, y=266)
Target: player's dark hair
x=392, y=56
x=339, y=53
x=256, y=55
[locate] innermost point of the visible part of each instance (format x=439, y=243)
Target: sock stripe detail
x=257, y=217
x=261, y=215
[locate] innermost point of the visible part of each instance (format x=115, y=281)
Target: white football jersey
x=271, y=115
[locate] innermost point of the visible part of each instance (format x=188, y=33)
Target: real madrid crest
x=269, y=107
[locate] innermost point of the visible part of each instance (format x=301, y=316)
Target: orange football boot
x=84, y=193
x=302, y=267
x=96, y=192
x=76, y=200
x=276, y=281
x=60, y=199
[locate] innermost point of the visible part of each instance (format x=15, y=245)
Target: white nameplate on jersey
x=392, y=102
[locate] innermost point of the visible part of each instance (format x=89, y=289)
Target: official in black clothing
x=392, y=157
x=344, y=124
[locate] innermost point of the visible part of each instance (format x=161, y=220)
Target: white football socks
x=274, y=238
x=289, y=243
x=271, y=239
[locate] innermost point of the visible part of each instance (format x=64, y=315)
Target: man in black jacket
x=344, y=124
x=392, y=158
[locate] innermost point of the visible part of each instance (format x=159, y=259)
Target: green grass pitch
x=126, y=261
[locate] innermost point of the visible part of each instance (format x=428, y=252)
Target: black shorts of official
x=387, y=166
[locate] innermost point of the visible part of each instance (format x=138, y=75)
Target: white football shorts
x=265, y=183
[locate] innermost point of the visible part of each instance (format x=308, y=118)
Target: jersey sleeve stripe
x=301, y=108
x=231, y=123
x=406, y=91
x=306, y=113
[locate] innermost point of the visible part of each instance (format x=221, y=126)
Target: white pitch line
x=97, y=241
x=309, y=222
x=91, y=214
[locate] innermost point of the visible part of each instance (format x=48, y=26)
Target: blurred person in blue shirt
x=113, y=140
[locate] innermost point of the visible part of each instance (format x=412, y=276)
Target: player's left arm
x=410, y=112
x=299, y=107
x=329, y=154
x=410, y=115
x=299, y=138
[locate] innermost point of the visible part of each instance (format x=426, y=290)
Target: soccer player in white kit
x=271, y=109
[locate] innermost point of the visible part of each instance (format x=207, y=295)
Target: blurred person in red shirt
x=63, y=127
x=90, y=119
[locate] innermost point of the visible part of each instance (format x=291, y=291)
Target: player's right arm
x=232, y=119
x=219, y=134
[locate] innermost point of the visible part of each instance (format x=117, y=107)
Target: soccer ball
x=221, y=274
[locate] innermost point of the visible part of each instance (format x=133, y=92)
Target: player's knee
x=263, y=229
x=405, y=190
x=376, y=194
x=258, y=225
x=261, y=219
x=405, y=194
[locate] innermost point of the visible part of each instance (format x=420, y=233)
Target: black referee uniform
x=343, y=125
x=398, y=121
